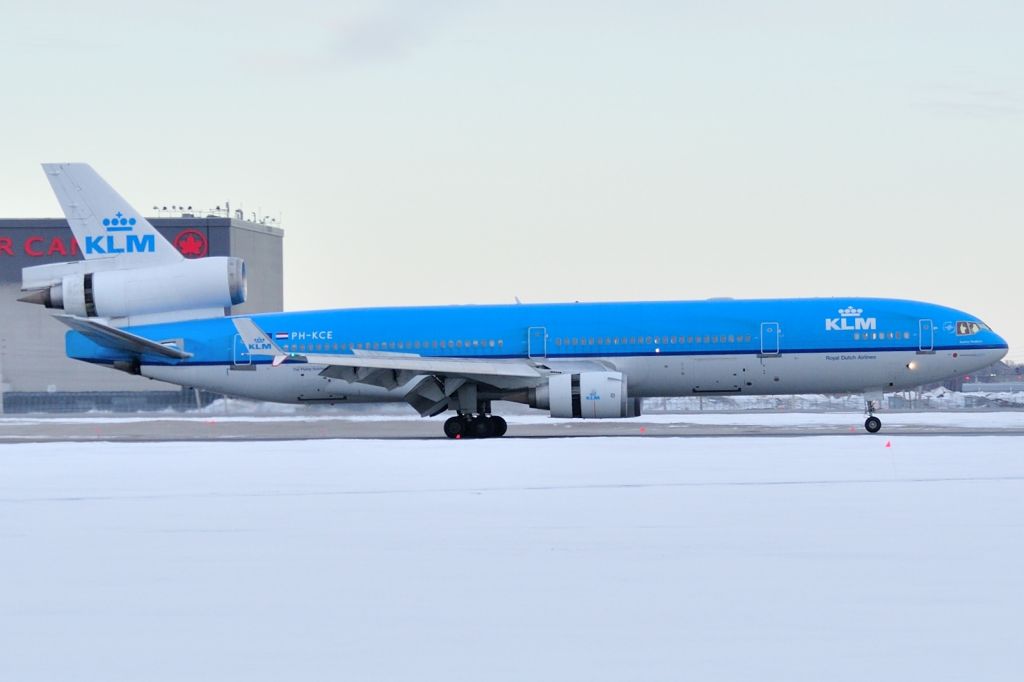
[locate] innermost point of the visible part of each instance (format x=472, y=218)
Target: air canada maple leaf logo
x=191, y=243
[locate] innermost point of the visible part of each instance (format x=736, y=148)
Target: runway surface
x=728, y=558
x=167, y=427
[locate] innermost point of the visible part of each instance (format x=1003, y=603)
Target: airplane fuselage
x=680, y=348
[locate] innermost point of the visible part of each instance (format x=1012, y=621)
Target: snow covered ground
x=816, y=558
x=966, y=419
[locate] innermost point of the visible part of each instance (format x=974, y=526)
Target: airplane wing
x=439, y=377
x=417, y=363
x=119, y=339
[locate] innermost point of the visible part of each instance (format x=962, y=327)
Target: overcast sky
x=456, y=151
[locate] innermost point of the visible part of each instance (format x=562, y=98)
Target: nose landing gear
x=872, y=424
x=475, y=426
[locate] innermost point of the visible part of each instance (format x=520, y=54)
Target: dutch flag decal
x=280, y=336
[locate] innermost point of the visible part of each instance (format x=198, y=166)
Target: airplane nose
x=999, y=352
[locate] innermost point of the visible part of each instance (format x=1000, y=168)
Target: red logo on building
x=192, y=243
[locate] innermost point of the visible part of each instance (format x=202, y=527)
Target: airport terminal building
x=35, y=374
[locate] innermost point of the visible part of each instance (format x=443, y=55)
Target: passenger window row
x=397, y=345
x=650, y=340
x=491, y=344
x=880, y=336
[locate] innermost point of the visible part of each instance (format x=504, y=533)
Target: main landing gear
x=475, y=426
x=872, y=424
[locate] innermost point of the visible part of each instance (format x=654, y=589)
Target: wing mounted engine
x=586, y=395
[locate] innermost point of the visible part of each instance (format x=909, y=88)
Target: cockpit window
x=970, y=328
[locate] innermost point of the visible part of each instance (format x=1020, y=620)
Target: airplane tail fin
x=104, y=224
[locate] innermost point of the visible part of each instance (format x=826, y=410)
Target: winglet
x=257, y=341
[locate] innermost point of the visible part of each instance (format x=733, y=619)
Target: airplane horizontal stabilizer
x=119, y=339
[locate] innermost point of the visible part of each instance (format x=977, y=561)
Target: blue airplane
x=136, y=305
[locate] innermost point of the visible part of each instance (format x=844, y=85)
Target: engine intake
x=587, y=395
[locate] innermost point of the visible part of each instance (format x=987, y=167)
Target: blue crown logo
x=119, y=223
x=851, y=312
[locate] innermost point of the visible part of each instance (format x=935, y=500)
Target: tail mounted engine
x=197, y=286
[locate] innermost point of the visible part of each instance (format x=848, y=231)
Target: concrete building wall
x=264, y=264
x=32, y=356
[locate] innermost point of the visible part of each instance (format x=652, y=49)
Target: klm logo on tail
x=120, y=238
x=850, y=320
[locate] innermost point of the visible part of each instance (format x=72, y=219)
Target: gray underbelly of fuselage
x=284, y=384
x=647, y=376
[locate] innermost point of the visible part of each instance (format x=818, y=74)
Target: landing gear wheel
x=873, y=424
x=455, y=427
x=481, y=427
x=500, y=426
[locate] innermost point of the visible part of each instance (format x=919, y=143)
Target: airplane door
x=537, y=342
x=240, y=354
x=770, y=339
x=926, y=338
